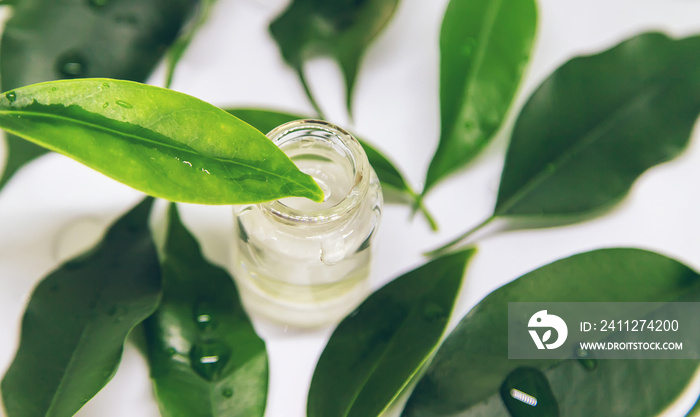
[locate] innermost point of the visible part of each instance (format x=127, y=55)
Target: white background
x=55, y=207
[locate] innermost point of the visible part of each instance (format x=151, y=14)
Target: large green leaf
x=484, y=48
x=164, y=143
x=205, y=357
x=394, y=186
x=342, y=29
x=595, y=125
x=76, y=322
x=376, y=351
x=472, y=364
x=47, y=40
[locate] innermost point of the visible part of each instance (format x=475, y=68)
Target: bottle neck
x=335, y=159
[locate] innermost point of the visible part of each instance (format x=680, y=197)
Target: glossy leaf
x=595, y=125
x=465, y=377
x=205, y=357
x=484, y=48
x=340, y=29
x=78, y=318
x=393, y=183
x=375, y=351
x=47, y=40
x=164, y=143
x=177, y=50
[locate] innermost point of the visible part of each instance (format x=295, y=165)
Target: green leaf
x=46, y=40
x=341, y=29
x=177, y=50
x=393, y=183
x=164, y=143
x=465, y=377
x=595, y=125
x=616, y=114
x=484, y=48
x=205, y=357
x=375, y=351
x=78, y=318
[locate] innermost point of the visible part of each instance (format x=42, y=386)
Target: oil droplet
x=187, y=162
x=122, y=103
x=98, y=3
x=526, y=393
x=12, y=96
x=206, y=171
x=585, y=360
x=434, y=312
x=208, y=359
x=71, y=65
x=227, y=392
x=104, y=106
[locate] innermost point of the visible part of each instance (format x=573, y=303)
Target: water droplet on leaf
x=124, y=104
x=12, y=96
x=227, y=392
x=104, y=106
x=468, y=47
x=526, y=393
x=209, y=359
x=71, y=65
x=204, y=316
x=585, y=360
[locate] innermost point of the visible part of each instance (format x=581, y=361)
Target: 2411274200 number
x=638, y=325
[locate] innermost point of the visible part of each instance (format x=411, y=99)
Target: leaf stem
x=442, y=249
x=419, y=206
x=307, y=90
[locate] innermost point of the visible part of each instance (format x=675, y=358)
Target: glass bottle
x=305, y=263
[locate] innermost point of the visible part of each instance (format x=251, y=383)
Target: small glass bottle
x=305, y=263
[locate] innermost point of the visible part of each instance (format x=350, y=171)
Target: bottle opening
x=334, y=158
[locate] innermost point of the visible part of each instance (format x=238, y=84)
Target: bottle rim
x=291, y=133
